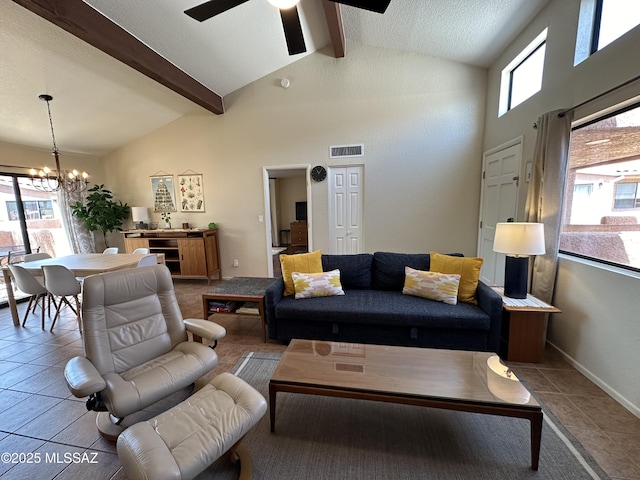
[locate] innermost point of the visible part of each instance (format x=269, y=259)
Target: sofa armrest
x=83, y=379
x=272, y=295
x=491, y=302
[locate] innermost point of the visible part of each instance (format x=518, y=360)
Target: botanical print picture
x=164, y=199
x=191, y=193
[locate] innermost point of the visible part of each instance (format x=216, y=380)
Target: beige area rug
x=333, y=438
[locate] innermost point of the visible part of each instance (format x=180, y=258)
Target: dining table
x=82, y=265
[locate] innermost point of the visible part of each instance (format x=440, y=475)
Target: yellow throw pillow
x=442, y=287
x=467, y=267
x=302, y=263
x=324, y=284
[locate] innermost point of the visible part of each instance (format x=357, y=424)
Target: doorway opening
x=288, y=212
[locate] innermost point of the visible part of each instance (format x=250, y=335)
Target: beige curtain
x=80, y=238
x=545, y=194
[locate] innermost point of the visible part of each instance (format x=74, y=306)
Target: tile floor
x=57, y=436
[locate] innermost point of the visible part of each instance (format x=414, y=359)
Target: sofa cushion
x=323, y=284
x=303, y=263
x=468, y=268
x=355, y=270
x=383, y=308
x=441, y=287
x=388, y=268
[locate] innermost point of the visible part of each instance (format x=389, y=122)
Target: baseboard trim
x=621, y=399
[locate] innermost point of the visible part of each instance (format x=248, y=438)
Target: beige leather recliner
x=136, y=345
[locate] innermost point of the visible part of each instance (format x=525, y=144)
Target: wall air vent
x=341, y=151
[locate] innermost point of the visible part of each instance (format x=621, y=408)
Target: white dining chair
x=111, y=250
x=32, y=257
x=148, y=260
x=28, y=283
x=62, y=283
x=144, y=250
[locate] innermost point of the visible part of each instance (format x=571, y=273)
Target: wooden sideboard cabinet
x=299, y=237
x=188, y=253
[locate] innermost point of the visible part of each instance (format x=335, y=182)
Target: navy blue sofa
x=374, y=309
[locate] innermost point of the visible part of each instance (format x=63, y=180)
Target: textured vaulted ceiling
x=100, y=103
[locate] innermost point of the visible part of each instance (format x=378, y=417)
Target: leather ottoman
x=183, y=441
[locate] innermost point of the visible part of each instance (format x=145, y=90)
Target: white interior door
x=346, y=207
x=501, y=171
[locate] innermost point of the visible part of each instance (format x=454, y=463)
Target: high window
x=601, y=211
x=522, y=78
x=602, y=22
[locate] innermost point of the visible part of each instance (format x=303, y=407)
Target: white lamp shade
x=504, y=384
x=519, y=238
x=139, y=214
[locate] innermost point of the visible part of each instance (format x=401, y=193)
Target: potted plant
x=166, y=218
x=101, y=212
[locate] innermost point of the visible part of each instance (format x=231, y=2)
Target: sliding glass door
x=30, y=221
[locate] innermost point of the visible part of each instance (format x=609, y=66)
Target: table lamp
x=140, y=216
x=518, y=240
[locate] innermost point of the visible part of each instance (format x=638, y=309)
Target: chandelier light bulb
x=32, y=172
x=46, y=170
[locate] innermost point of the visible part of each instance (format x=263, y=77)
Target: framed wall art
x=191, y=192
x=162, y=191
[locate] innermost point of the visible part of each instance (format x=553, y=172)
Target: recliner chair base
x=240, y=454
x=107, y=428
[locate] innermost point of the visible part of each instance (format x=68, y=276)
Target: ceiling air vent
x=341, y=151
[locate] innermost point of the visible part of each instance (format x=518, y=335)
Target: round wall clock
x=318, y=173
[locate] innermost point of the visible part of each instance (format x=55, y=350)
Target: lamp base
x=142, y=226
x=516, y=273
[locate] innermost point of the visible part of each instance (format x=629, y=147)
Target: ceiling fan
x=288, y=13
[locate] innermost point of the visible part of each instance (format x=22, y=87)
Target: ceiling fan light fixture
x=284, y=4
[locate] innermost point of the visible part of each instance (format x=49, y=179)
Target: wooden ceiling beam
x=81, y=20
x=336, y=31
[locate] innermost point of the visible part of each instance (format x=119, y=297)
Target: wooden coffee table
x=449, y=379
x=239, y=289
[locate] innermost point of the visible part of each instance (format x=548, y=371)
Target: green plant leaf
x=100, y=211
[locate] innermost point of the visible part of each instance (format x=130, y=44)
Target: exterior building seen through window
x=601, y=212
x=36, y=227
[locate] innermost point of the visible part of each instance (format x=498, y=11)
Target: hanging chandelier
x=52, y=181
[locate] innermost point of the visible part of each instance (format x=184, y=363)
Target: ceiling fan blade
x=293, y=30
x=212, y=8
x=378, y=6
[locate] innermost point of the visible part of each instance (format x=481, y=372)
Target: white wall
x=419, y=118
x=599, y=329
x=24, y=158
